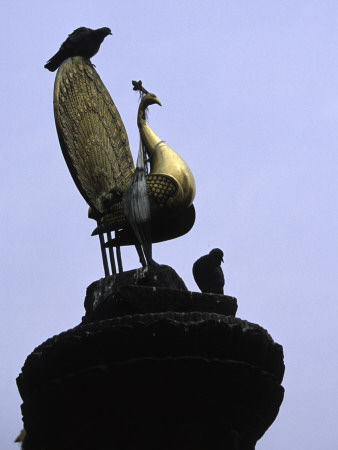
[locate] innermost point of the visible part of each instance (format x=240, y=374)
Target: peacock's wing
x=92, y=136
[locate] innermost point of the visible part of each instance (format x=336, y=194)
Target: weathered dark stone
x=149, y=290
x=154, y=276
x=162, y=380
x=152, y=403
x=158, y=275
x=157, y=335
x=152, y=367
x=129, y=300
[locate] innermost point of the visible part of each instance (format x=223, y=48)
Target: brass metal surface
x=96, y=149
x=92, y=136
x=165, y=161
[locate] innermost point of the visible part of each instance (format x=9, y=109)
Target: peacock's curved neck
x=148, y=137
x=163, y=159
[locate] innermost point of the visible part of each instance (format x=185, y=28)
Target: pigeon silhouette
x=82, y=42
x=208, y=273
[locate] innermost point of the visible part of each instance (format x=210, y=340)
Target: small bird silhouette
x=82, y=42
x=208, y=273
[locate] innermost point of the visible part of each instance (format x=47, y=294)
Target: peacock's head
x=150, y=99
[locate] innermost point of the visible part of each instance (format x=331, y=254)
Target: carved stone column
x=152, y=366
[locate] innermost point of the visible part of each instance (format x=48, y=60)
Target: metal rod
x=111, y=254
x=141, y=254
x=104, y=256
x=118, y=253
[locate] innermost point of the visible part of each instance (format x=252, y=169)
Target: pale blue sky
x=250, y=100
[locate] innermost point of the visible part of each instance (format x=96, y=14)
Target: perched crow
x=82, y=42
x=208, y=273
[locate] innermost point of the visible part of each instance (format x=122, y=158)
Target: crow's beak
x=222, y=260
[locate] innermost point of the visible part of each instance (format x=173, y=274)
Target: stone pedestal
x=152, y=366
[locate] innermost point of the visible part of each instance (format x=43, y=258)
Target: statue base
x=152, y=367
x=149, y=290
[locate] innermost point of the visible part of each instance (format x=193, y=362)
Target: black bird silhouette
x=208, y=273
x=82, y=42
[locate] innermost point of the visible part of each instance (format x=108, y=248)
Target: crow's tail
x=54, y=62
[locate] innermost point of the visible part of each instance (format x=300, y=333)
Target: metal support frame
x=110, y=244
x=118, y=252
x=104, y=255
x=111, y=254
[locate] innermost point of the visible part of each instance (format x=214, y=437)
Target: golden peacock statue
x=140, y=207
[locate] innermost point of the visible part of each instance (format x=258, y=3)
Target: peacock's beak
x=156, y=100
